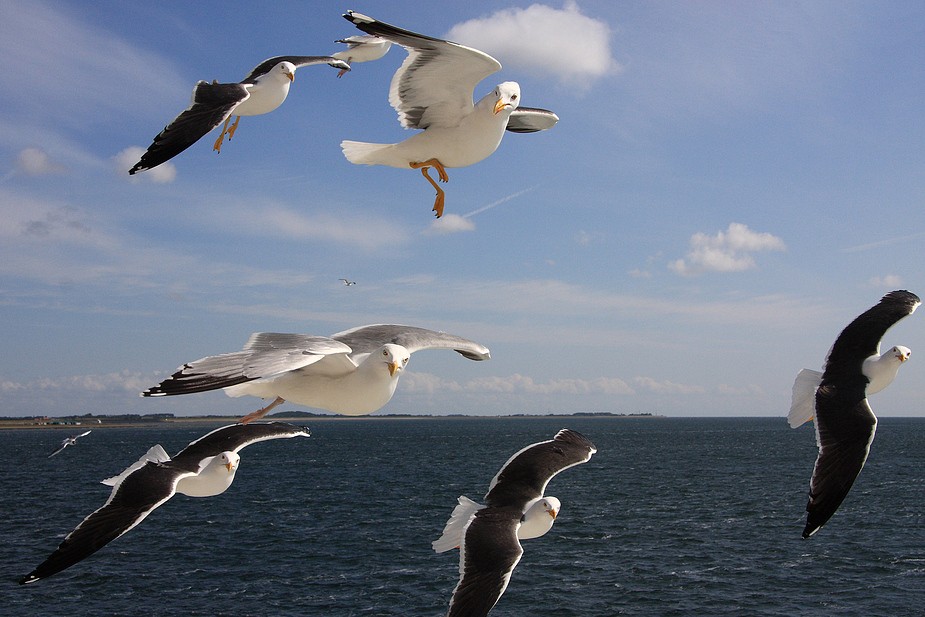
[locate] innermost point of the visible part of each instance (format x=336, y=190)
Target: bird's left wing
x=531, y=120
x=434, y=85
x=845, y=428
x=212, y=104
x=487, y=557
x=233, y=438
x=366, y=339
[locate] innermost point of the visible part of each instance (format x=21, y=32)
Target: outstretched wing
x=212, y=104
x=366, y=339
x=233, y=438
x=434, y=84
x=299, y=61
x=531, y=120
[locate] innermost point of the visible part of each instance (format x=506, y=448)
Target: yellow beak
x=500, y=105
x=393, y=368
x=553, y=514
x=291, y=76
x=229, y=467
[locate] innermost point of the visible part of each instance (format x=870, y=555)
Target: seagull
x=845, y=423
x=262, y=91
x=348, y=283
x=354, y=372
x=361, y=48
x=204, y=468
x=433, y=91
x=68, y=441
x=515, y=509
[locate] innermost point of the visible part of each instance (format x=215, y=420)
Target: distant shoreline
x=92, y=422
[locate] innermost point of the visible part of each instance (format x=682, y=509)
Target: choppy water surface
x=671, y=517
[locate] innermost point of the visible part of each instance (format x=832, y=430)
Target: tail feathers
x=364, y=153
x=453, y=531
x=155, y=454
x=803, y=401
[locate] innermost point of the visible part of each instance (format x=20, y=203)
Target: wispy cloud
x=37, y=162
x=882, y=243
x=726, y=251
x=565, y=43
x=164, y=173
x=454, y=223
x=888, y=281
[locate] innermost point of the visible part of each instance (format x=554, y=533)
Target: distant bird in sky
x=348, y=283
x=361, y=48
x=488, y=537
x=354, y=372
x=204, y=468
x=68, y=441
x=262, y=91
x=845, y=423
x=433, y=91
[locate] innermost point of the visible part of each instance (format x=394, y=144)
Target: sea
x=671, y=517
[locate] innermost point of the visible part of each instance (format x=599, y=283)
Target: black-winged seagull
x=68, y=441
x=845, y=423
x=433, y=90
x=204, y=468
x=361, y=48
x=515, y=509
x=262, y=91
x=354, y=372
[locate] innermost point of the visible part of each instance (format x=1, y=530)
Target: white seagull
x=348, y=283
x=361, y=48
x=68, y=441
x=433, y=91
x=204, y=468
x=845, y=423
x=354, y=372
x=262, y=91
x=488, y=536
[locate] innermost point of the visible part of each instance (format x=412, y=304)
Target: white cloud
x=727, y=251
x=563, y=43
x=450, y=224
x=523, y=384
x=36, y=162
x=164, y=173
x=124, y=381
x=666, y=387
x=891, y=281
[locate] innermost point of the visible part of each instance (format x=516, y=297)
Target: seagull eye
x=405, y=361
x=385, y=352
x=513, y=97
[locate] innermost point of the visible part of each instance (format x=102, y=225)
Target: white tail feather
x=803, y=401
x=459, y=519
x=364, y=153
x=155, y=454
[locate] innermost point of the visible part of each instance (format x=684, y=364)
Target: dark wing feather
x=299, y=61
x=205, y=374
x=232, y=438
x=861, y=338
x=212, y=104
x=525, y=475
x=489, y=554
x=845, y=428
x=129, y=503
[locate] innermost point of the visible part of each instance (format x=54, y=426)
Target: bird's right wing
x=531, y=120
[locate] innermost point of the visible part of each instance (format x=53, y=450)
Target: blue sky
x=728, y=186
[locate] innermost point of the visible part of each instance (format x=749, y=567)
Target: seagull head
x=552, y=506
x=286, y=69
x=395, y=357
x=507, y=96
x=229, y=460
x=901, y=353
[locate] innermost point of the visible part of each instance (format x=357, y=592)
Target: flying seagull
x=845, y=423
x=68, y=441
x=262, y=91
x=361, y=48
x=348, y=283
x=354, y=372
x=204, y=468
x=433, y=91
x=488, y=536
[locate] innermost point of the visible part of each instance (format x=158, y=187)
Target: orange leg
x=233, y=127
x=217, y=146
x=441, y=171
x=262, y=412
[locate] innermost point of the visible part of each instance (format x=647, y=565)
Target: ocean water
x=671, y=517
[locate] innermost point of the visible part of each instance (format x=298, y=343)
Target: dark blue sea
x=686, y=517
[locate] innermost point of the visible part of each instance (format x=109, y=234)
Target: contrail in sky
x=873, y=245
x=499, y=202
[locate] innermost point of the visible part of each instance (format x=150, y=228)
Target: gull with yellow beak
x=488, y=536
x=262, y=91
x=204, y=468
x=433, y=91
x=353, y=373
